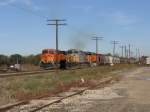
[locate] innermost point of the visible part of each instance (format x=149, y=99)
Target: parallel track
x=8, y=107
x=5, y=75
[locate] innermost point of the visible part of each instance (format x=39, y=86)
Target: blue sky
x=23, y=26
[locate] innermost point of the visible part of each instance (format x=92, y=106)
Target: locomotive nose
x=44, y=59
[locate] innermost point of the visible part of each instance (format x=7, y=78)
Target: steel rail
x=5, y=75
x=106, y=80
x=10, y=106
x=24, y=73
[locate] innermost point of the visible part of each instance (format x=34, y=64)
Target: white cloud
x=30, y=4
x=84, y=8
x=122, y=19
x=6, y=2
x=26, y=3
x=119, y=18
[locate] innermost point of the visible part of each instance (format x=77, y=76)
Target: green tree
x=32, y=59
x=16, y=58
x=3, y=60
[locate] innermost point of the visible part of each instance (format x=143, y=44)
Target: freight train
x=50, y=58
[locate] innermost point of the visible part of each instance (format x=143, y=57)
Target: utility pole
x=136, y=53
x=132, y=54
x=139, y=55
x=126, y=52
x=122, y=48
x=17, y=61
x=114, y=46
x=57, y=24
x=129, y=51
x=96, y=40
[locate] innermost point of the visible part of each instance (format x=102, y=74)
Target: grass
x=29, y=86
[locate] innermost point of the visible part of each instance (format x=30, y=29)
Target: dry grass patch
x=26, y=87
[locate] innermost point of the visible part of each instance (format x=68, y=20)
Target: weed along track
x=5, y=75
x=103, y=68
x=24, y=73
x=34, y=105
x=40, y=91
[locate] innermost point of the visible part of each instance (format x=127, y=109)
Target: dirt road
x=132, y=94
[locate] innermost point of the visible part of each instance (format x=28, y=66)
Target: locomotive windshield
x=44, y=51
x=72, y=51
x=48, y=52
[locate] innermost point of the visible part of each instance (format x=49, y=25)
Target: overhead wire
x=45, y=17
x=28, y=11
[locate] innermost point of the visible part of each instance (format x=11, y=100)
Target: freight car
x=91, y=58
x=73, y=57
x=116, y=60
x=108, y=60
x=145, y=60
x=78, y=57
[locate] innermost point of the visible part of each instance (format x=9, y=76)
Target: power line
x=129, y=51
x=96, y=40
x=57, y=24
x=114, y=46
x=122, y=48
x=126, y=51
x=45, y=17
x=132, y=54
x=28, y=11
x=81, y=32
x=136, y=53
x=139, y=54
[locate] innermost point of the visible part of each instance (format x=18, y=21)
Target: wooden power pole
x=57, y=24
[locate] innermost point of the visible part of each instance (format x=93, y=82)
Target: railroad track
x=5, y=75
x=24, y=73
x=10, y=106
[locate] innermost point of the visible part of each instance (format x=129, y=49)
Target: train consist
x=145, y=60
x=73, y=57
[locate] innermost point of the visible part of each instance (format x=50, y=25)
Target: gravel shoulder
x=131, y=94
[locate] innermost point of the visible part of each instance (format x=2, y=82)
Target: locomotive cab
x=50, y=57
